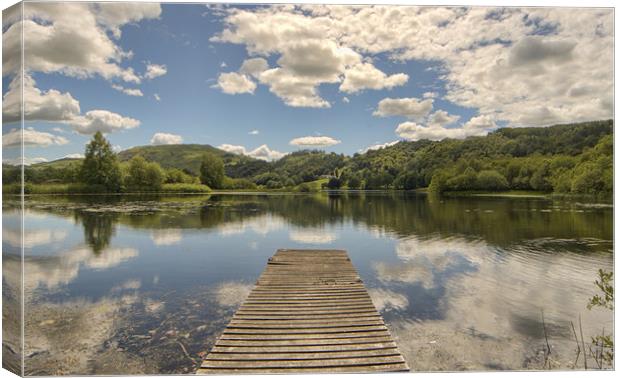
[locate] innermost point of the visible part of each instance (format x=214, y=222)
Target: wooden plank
x=308, y=313
x=367, y=368
x=320, y=362
x=305, y=323
x=305, y=342
x=308, y=318
x=303, y=349
x=301, y=355
x=299, y=336
x=240, y=329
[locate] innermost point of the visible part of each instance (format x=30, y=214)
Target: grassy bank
x=95, y=189
x=506, y=193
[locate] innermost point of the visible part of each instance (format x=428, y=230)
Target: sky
x=268, y=80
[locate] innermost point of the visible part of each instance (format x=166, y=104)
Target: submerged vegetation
x=567, y=159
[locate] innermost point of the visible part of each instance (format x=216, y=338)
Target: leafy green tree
x=406, y=181
x=334, y=183
x=464, y=181
x=540, y=177
x=273, y=184
x=264, y=178
x=143, y=175
x=100, y=166
x=491, y=180
x=438, y=182
x=354, y=182
x=212, y=171
x=154, y=176
x=174, y=175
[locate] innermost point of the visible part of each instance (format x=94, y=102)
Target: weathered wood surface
x=308, y=313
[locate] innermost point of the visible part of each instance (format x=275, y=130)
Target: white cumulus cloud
x=378, y=146
x=309, y=55
x=314, y=141
x=24, y=161
x=155, y=70
x=165, y=138
x=50, y=105
x=405, y=107
x=526, y=66
x=31, y=138
x=254, y=66
x=103, y=121
x=234, y=83
x=366, y=76
x=54, y=106
x=262, y=152
x=476, y=126
x=128, y=91
x=72, y=39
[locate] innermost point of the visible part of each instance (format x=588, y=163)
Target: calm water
x=145, y=285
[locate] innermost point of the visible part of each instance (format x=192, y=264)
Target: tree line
x=573, y=158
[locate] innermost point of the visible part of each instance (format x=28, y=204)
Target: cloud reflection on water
x=489, y=301
x=61, y=269
x=260, y=224
x=385, y=300
x=313, y=236
x=232, y=293
x=168, y=236
x=32, y=237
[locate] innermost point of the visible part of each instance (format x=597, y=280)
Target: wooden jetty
x=308, y=313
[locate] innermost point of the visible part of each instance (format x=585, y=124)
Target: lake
x=127, y=285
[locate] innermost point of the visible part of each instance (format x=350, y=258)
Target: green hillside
x=188, y=157
x=60, y=163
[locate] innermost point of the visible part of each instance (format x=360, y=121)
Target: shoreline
x=420, y=191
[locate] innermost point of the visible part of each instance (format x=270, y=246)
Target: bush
x=354, y=182
x=333, y=183
x=175, y=175
x=491, y=180
x=185, y=188
x=264, y=178
x=143, y=176
x=231, y=184
x=304, y=188
x=464, y=181
x=273, y=184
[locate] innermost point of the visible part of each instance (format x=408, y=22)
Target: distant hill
x=59, y=163
x=515, y=153
x=188, y=157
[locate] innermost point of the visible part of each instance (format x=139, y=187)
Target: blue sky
x=421, y=74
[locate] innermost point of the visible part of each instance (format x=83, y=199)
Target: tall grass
x=185, y=188
x=76, y=188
